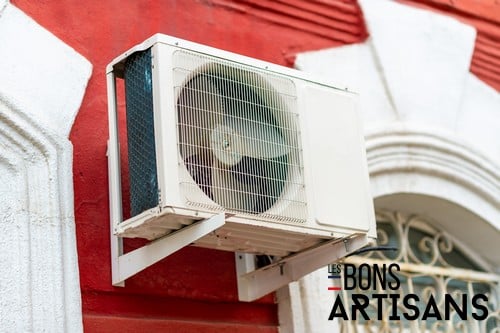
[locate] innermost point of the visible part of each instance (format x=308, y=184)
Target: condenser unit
x=227, y=152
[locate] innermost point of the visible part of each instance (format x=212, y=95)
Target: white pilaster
x=42, y=82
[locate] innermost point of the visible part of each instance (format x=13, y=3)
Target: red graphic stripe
x=334, y=288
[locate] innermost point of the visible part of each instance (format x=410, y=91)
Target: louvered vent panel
x=238, y=138
x=140, y=133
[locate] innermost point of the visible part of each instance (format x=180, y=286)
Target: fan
x=230, y=137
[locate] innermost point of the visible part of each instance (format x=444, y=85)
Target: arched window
x=431, y=262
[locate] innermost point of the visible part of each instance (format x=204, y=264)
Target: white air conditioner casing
x=306, y=139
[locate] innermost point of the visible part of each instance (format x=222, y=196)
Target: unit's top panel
x=117, y=64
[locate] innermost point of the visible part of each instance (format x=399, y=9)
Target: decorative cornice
x=401, y=148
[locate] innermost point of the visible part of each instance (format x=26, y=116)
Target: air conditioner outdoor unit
x=232, y=153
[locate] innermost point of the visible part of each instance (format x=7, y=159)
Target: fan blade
x=200, y=109
x=199, y=167
x=231, y=193
x=258, y=139
x=266, y=176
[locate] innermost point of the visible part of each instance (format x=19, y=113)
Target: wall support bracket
x=255, y=283
x=125, y=265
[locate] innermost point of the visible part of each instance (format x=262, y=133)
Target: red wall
x=194, y=290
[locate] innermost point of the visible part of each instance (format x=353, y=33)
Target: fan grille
x=238, y=138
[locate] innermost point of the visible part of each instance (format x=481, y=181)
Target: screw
x=226, y=144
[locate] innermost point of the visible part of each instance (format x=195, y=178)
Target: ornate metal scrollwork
x=432, y=263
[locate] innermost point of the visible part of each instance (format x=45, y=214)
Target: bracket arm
x=131, y=263
x=253, y=284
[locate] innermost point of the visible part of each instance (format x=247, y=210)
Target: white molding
x=448, y=181
x=39, y=266
x=402, y=148
x=39, y=98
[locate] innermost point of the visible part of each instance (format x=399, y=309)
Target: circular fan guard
x=232, y=138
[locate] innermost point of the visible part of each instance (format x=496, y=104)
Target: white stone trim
x=406, y=160
x=42, y=83
x=401, y=148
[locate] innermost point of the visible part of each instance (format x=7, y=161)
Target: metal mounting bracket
x=125, y=265
x=255, y=283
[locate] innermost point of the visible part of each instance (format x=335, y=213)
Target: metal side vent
x=140, y=133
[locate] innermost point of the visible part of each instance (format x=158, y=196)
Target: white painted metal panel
x=337, y=160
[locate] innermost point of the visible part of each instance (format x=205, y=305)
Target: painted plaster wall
x=193, y=290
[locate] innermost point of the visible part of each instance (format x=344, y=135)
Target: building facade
x=428, y=77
